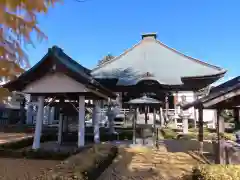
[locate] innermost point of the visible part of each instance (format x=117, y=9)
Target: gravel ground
x=149, y=164
x=23, y=169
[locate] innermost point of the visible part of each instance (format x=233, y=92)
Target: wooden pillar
x=52, y=113
x=161, y=117
x=194, y=110
x=29, y=111
x=154, y=127
x=200, y=129
x=146, y=113
x=96, y=119
x=81, y=122
x=119, y=99
x=175, y=108
x=39, y=122
x=185, y=124
x=60, y=128
x=236, y=118
x=220, y=123
x=111, y=115
x=166, y=107
x=134, y=125
x=65, y=124
x=220, y=154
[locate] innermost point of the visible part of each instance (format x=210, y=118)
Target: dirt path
x=149, y=164
x=7, y=137
x=21, y=169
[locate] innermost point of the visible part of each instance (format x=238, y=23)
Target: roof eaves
x=225, y=84
x=63, y=60
x=68, y=59
x=220, y=74
x=220, y=93
x=9, y=85
x=81, y=71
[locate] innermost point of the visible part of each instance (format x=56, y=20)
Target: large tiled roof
x=162, y=63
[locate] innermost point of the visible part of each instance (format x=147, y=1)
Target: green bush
x=104, y=136
x=89, y=164
x=216, y=172
x=168, y=133
x=35, y=154
x=17, y=149
x=189, y=136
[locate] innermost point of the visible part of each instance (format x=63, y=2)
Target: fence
x=9, y=116
x=226, y=152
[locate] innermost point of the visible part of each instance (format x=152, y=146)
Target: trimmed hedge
x=35, y=154
x=89, y=164
x=216, y=172
x=104, y=136
x=17, y=149
x=18, y=144
x=168, y=133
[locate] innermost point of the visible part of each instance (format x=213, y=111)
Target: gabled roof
x=216, y=92
x=57, y=61
x=166, y=65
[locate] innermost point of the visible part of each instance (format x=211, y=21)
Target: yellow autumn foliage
x=217, y=172
x=18, y=20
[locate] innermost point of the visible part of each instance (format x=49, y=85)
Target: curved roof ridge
x=189, y=57
x=117, y=57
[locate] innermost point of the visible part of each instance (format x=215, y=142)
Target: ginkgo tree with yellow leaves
x=18, y=20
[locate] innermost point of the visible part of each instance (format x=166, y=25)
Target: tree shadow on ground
x=190, y=147
x=131, y=163
x=149, y=164
x=179, y=159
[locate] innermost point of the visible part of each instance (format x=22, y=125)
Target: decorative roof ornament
x=144, y=100
x=147, y=74
x=203, y=92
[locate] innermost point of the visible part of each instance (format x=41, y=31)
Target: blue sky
x=205, y=29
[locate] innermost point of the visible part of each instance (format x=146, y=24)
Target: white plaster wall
x=55, y=83
x=208, y=114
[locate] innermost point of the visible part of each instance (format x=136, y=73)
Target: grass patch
x=168, y=133
x=216, y=172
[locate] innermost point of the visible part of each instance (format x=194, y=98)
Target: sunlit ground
x=6, y=137
x=149, y=164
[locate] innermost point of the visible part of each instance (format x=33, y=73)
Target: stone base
x=145, y=142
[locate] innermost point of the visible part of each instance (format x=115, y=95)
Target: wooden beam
x=220, y=154
x=236, y=118
x=200, y=130
x=221, y=98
